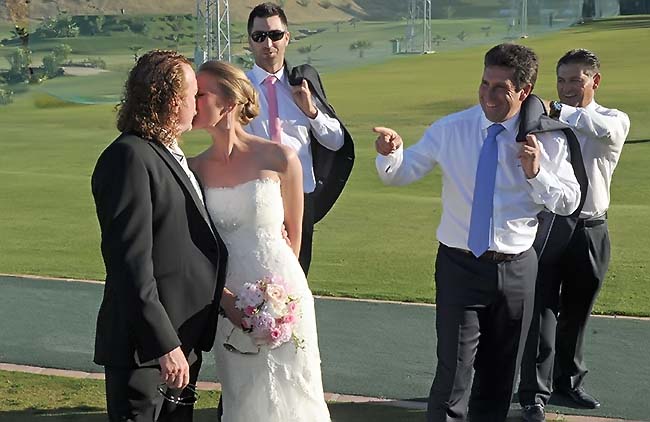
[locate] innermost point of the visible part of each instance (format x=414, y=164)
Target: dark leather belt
x=492, y=256
x=591, y=222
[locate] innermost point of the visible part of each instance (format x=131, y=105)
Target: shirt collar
x=176, y=150
x=260, y=74
x=511, y=125
x=591, y=106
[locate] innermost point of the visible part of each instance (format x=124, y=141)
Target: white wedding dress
x=273, y=385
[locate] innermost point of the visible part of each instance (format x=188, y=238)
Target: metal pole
x=524, y=19
x=426, y=23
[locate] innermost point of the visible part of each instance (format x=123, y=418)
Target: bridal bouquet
x=271, y=312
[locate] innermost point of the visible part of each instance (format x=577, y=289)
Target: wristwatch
x=555, y=109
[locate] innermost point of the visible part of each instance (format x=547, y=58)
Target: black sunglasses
x=187, y=397
x=260, y=36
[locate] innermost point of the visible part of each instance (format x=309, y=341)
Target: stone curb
x=347, y=299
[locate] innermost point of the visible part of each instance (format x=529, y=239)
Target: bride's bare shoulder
x=276, y=156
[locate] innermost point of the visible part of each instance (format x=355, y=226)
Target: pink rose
x=285, y=333
x=292, y=307
x=275, y=334
x=288, y=318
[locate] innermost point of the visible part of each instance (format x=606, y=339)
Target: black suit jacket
x=165, y=264
x=554, y=231
x=331, y=168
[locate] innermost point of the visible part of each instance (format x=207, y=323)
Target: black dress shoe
x=533, y=413
x=579, y=396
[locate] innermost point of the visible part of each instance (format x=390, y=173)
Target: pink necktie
x=272, y=99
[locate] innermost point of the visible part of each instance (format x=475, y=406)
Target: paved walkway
x=372, y=352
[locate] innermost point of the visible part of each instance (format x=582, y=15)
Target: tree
x=360, y=46
x=6, y=96
x=53, y=62
x=18, y=11
x=354, y=22
x=51, y=67
x=61, y=53
x=19, y=61
x=61, y=26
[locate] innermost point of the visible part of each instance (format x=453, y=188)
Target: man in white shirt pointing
x=570, y=283
x=493, y=189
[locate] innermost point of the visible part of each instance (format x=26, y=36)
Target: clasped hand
x=174, y=369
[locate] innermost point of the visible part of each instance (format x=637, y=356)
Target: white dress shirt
x=182, y=160
x=454, y=143
x=294, y=125
x=601, y=133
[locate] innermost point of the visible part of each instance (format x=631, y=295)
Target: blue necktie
x=482, y=204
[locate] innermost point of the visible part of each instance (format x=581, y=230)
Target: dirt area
x=81, y=71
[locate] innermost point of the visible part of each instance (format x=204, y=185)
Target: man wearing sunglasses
x=294, y=111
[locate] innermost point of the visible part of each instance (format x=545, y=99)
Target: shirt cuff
x=542, y=181
x=319, y=119
x=386, y=164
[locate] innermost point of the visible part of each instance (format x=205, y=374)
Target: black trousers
x=483, y=310
x=307, y=234
x=132, y=395
x=572, y=268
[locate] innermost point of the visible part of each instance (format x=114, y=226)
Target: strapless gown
x=273, y=385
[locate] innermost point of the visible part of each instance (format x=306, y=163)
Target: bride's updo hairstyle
x=235, y=87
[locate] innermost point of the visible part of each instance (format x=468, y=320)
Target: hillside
x=329, y=10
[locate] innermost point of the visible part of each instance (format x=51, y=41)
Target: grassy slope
x=378, y=242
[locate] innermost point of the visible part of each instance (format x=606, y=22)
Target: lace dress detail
x=283, y=384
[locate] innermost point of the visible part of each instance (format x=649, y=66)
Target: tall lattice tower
x=426, y=26
x=416, y=12
x=410, y=26
x=213, y=31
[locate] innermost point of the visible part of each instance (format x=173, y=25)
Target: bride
x=253, y=187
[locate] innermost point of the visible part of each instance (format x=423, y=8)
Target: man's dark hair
x=266, y=10
x=583, y=57
x=521, y=59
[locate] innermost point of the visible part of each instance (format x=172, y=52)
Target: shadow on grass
x=627, y=22
x=341, y=412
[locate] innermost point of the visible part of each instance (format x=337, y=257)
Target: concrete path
x=371, y=351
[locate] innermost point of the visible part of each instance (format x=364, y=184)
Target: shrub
x=6, y=96
x=97, y=62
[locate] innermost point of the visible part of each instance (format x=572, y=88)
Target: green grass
x=378, y=242
x=31, y=398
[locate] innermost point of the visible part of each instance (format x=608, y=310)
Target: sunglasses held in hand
x=260, y=36
x=187, y=397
